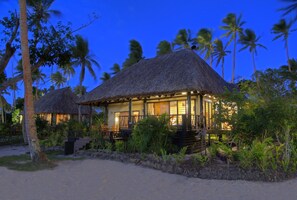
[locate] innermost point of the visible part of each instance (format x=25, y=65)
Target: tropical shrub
x=200, y=159
x=151, y=135
x=120, y=146
x=180, y=156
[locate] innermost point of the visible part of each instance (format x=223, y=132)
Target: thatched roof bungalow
x=59, y=105
x=178, y=83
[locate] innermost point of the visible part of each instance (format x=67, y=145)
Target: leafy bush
x=180, y=156
x=77, y=129
x=200, y=159
x=165, y=156
x=120, y=146
x=151, y=135
x=98, y=141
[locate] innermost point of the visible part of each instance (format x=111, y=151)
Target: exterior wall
x=139, y=105
x=122, y=107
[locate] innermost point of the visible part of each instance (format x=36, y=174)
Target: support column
x=91, y=117
x=105, y=114
x=130, y=114
x=144, y=108
x=201, y=114
x=189, y=124
x=79, y=113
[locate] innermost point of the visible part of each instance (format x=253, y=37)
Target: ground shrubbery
x=151, y=134
x=55, y=135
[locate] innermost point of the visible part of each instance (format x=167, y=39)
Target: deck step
x=81, y=143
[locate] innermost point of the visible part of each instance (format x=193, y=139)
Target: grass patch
x=24, y=163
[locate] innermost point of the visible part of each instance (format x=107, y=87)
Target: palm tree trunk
x=79, y=107
x=2, y=110
x=233, y=61
x=210, y=60
x=254, y=63
x=35, y=152
x=287, y=53
x=223, y=71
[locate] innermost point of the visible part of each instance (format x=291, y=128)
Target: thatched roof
x=179, y=71
x=60, y=101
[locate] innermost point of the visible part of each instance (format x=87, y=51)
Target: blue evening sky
x=151, y=21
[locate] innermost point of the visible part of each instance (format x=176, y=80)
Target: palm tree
x=164, y=47
x=135, y=54
x=35, y=152
x=83, y=58
x=205, y=44
x=291, y=8
x=37, y=77
x=183, y=39
x=282, y=30
x=105, y=76
x=233, y=27
x=78, y=90
x=68, y=71
x=58, y=79
x=220, y=52
x=41, y=10
x=115, y=68
x=249, y=40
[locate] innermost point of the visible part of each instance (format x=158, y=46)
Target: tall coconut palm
x=282, y=30
x=41, y=10
x=290, y=9
x=83, y=58
x=105, y=76
x=183, y=39
x=115, y=68
x=164, y=47
x=233, y=27
x=220, y=52
x=135, y=54
x=35, y=152
x=78, y=90
x=37, y=77
x=205, y=44
x=68, y=71
x=249, y=40
x=58, y=79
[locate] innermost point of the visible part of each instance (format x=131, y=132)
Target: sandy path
x=101, y=179
x=10, y=150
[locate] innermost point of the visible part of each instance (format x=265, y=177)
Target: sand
x=110, y=180
x=11, y=150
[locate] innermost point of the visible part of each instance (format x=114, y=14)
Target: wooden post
x=189, y=124
x=91, y=115
x=105, y=114
x=144, y=108
x=201, y=105
x=79, y=113
x=130, y=114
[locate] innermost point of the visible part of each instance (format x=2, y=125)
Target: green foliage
x=42, y=126
x=164, y=47
x=4, y=128
x=151, y=135
x=135, y=54
x=200, y=159
x=98, y=141
x=266, y=155
x=109, y=146
x=180, y=156
x=165, y=156
x=16, y=116
x=120, y=146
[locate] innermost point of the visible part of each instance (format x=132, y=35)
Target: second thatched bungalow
x=180, y=84
x=60, y=105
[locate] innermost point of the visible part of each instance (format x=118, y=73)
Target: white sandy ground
x=111, y=180
x=10, y=150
